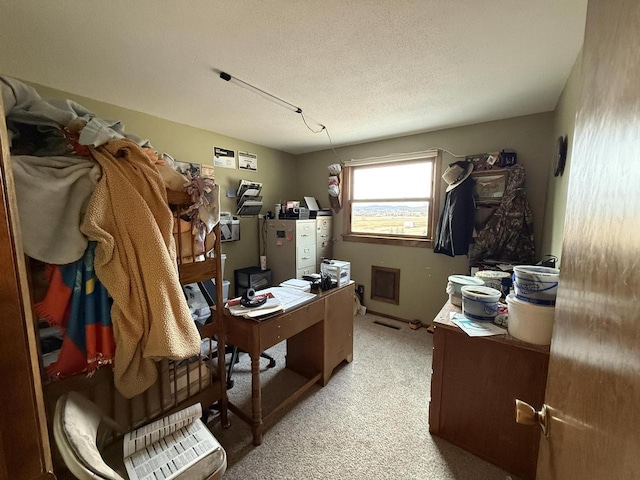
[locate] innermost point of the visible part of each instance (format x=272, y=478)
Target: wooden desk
x=319, y=337
x=474, y=385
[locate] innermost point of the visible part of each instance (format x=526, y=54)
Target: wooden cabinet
x=474, y=385
x=338, y=329
x=327, y=341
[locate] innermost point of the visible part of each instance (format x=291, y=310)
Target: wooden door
x=24, y=441
x=593, y=387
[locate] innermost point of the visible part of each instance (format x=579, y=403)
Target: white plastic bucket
x=480, y=303
x=537, y=285
x=455, y=284
x=529, y=322
x=492, y=278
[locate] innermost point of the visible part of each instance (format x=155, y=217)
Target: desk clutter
x=522, y=302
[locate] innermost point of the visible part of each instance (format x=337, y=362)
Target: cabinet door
x=473, y=387
x=338, y=329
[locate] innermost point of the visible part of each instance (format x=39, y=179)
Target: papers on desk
x=298, y=284
x=278, y=299
x=291, y=297
x=474, y=328
x=272, y=305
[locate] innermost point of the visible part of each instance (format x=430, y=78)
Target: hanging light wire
x=262, y=93
x=283, y=103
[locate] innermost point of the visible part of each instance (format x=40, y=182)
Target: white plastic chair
x=85, y=439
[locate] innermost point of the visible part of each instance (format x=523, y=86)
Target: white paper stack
x=297, y=284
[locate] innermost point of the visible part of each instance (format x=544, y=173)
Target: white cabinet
x=295, y=247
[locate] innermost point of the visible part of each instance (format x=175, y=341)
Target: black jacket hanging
x=455, y=227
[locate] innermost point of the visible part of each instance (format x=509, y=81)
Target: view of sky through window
x=392, y=199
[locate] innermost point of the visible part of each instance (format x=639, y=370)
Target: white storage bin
x=529, y=322
x=338, y=271
x=225, y=290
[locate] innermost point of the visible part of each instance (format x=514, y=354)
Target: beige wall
x=423, y=273
x=195, y=145
x=563, y=124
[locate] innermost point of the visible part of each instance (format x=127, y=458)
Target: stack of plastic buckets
x=532, y=306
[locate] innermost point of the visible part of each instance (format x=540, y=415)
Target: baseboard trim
x=397, y=319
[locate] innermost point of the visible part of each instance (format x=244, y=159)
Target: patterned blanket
x=79, y=304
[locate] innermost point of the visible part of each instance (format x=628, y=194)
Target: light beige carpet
x=369, y=422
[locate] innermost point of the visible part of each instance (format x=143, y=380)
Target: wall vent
x=385, y=284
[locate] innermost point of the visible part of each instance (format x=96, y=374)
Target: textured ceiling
x=366, y=69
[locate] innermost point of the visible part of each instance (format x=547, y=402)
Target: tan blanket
x=135, y=259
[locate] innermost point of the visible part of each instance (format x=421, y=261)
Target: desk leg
x=256, y=400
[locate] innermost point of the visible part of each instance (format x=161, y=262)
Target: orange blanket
x=135, y=259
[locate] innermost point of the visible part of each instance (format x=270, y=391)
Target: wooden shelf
x=178, y=198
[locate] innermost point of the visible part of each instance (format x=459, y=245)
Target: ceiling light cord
x=272, y=98
x=283, y=103
x=333, y=149
x=322, y=127
x=295, y=109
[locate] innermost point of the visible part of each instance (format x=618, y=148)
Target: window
x=392, y=200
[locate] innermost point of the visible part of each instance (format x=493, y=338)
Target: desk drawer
x=290, y=324
x=305, y=256
x=305, y=232
x=302, y=272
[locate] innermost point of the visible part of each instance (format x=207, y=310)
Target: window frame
x=398, y=240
